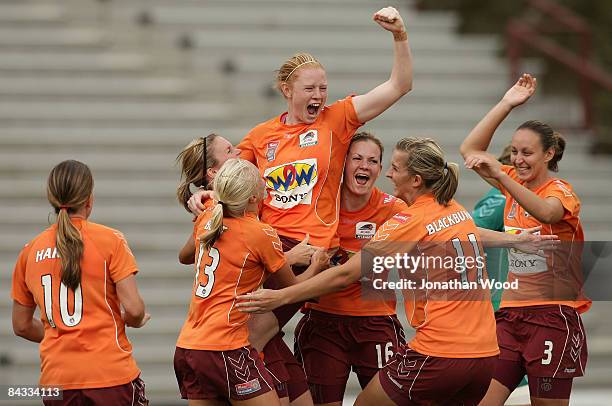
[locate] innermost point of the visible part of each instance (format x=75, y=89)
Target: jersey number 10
x=70, y=320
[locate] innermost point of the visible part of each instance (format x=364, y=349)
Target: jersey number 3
x=203, y=291
x=70, y=320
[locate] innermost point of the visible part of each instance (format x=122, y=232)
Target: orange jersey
x=453, y=322
x=355, y=230
x=542, y=280
x=84, y=345
x=303, y=166
x=236, y=264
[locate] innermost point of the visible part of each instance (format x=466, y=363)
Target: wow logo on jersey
x=292, y=183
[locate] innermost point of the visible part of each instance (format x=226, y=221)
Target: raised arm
x=379, y=99
x=480, y=137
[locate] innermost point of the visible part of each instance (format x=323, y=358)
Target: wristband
x=400, y=36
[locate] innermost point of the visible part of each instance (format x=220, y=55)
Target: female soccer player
x=206, y=155
x=214, y=361
x=342, y=331
x=453, y=353
x=539, y=328
x=301, y=153
x=81, y=275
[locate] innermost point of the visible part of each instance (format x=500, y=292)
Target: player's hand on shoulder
x=197, y=200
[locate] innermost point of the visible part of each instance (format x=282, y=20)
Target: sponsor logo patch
x=402, y=218
x=365, y=230
x=248, y=387
x=292, y=183
x=309, y=138
x=271, y=152
x=388, y=198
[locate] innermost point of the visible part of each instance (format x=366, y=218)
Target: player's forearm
x=33, y=330
x=331, y=280
x=495, y=239
x=480, y=136
x=401, y=72
x=532, y=203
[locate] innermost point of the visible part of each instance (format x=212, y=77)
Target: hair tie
x=299, y=66
x=445, y=165
x=221, y=203
x=64, y=207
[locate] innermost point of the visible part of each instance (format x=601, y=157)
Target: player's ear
x=417, y=181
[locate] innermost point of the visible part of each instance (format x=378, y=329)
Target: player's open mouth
x=313, y=108
x=361, y=179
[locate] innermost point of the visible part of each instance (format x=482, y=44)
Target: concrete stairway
x=81, y=79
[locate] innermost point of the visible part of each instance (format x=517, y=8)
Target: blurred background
x=123, y=85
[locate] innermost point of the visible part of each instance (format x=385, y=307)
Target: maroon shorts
x=412, y=378
x=288, y=374
x=129, y=394
x=235, y=374
x=330, y=345
x=548, y=341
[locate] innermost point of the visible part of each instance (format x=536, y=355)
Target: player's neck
x=538, y=181
x=353, y=202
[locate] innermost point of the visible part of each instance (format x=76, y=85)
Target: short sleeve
x=489, y=211
x=396, y=235
x=343, y=119
x=510, y=171
x=19, y=289
x=566, y=196
x=269, y=249
x=247, y=149
x=122, y=262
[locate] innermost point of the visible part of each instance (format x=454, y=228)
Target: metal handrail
x=521, y=33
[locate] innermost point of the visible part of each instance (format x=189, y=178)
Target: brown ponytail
x=69, y=186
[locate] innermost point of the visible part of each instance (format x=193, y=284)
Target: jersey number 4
x=70, y=320
x=203, y=291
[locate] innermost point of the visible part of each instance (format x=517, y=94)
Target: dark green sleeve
x=489, y=211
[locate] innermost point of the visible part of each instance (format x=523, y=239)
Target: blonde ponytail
x=235, y=183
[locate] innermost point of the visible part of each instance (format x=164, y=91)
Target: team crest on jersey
x=513, y=209
x=271, y=152
x=309, y=138
x=365, y=230
x=248, y=387
x=292, y=183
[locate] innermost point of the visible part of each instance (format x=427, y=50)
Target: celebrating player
x=342, y=331
x=214, y=361
x=301, y=155
x=81, y=275
x=453, y=353
x=539, y=328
